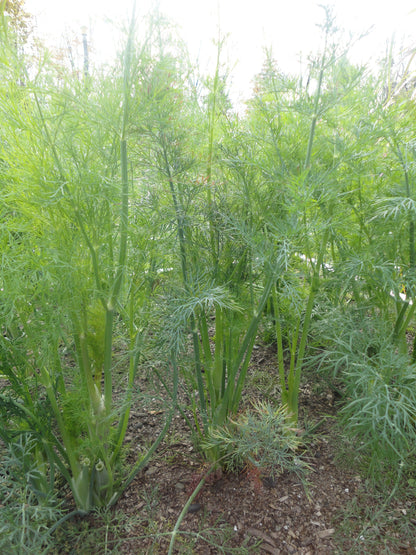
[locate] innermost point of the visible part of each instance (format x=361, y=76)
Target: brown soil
x=332, y=513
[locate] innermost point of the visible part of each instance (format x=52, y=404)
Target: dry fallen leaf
x=260, y=534
x=292, y=534
x=325, y=533
x=270, y=549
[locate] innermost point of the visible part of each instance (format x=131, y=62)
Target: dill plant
x=213, y=286
x=262, y=437
x=26, y=512
x=377, y=387
x=66, y=193
x=300, y=160
x=363, y=339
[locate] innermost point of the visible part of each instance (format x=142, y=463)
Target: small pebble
x=194, y=508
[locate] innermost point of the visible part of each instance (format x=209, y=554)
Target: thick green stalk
x=206, y=353
x=294, y=394
x=198, y=369
x=211, y=132
x=279, y=340
x=405, y=324
x=124, y=217
x=142, y=463
x=179, y=216
x=66, y=437
x=133, y=362
x=308, y=158
x=246, y=348
x=108, y=357
x=182, y=248
x=399, y=320
x=298, y=352
x=218, y=362
x=118, y=280
x=86, y=374
x=206, y=347
x=111, y=303
x=292, y=364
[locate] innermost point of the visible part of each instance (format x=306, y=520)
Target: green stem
x=218, y=363
x=208, y=361
x=289, y=396
x=399, y=320
x=109, y=315
x=414, y=350
x=211, y=131
x=279, y=341
x=412, y=255
x=206, y=347
x=246, y=348
x=133, y=362
x=85, y=370
x=142, y=463
x=187, y=505
x=108, y=358
x=315, y=113
x=306, y=323
x=66, y=437
x=182, y=247
x=124, y=217
x=407, y=320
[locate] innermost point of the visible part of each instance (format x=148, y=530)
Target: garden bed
x=332, y=511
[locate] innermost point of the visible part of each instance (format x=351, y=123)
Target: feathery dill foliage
x=26, y=515
x=66, y=195
x=141, y=216
x=263, y=438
